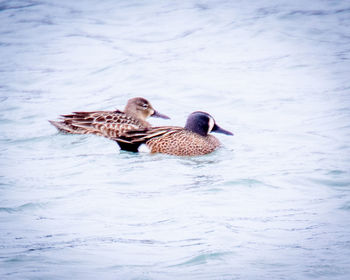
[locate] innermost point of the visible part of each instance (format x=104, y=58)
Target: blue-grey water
x=272, y=203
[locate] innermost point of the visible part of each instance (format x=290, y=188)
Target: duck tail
x=75, y=123
x=61, y=126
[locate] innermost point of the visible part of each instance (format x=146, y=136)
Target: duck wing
x=143, y=135
x=131, y=140
x=105, y=123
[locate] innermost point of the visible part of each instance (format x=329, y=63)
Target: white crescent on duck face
x=109, y=124
x=211, y=124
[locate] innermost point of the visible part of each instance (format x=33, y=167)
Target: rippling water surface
x=272, y=203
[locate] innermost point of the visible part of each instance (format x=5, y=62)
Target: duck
x=192, y=140
x=109, y=124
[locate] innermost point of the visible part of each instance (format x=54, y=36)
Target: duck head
x=203, y=124
x=141, y=108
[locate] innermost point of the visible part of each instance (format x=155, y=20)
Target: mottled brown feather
x=172, y=140
x=109, y=124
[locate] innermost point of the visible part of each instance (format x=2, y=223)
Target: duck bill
x=218, y=129
x=159, y=115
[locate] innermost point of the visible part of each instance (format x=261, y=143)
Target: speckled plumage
x=109, y=124
x=183, y=142
x=192, y=140
x=104, y=123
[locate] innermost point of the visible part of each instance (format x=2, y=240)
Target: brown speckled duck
x=110, y=124
x=192, y=140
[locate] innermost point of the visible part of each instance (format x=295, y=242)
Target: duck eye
x=145, y=106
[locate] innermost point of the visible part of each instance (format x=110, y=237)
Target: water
x=272, y=203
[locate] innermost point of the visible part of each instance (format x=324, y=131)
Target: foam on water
x=272, y=203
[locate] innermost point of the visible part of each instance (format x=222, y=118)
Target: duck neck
x=137, y=116
x=193, y=127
